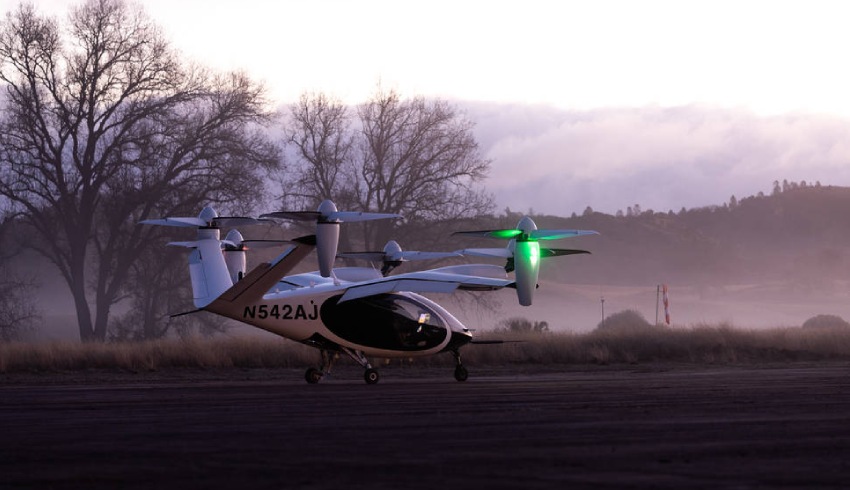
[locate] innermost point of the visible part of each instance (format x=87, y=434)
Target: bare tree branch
x=111, y=129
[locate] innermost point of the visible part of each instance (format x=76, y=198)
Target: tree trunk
x=84, y=320
x=101, y=320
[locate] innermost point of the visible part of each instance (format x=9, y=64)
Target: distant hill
x=800, y=235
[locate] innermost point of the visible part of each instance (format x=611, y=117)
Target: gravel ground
x=645, y=426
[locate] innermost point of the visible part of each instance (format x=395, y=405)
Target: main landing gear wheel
x=371, y=376
x=461, y=374
x=313, y=376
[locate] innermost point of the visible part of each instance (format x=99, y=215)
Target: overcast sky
x=600, y=103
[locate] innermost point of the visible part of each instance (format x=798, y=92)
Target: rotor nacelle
x=523, y=252
x=393, y=256
x=235, y=255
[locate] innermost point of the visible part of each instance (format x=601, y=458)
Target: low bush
x=623, y=321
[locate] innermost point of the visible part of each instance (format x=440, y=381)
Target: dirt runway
x=637, y=427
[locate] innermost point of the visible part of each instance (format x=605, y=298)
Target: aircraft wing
x=445, y=280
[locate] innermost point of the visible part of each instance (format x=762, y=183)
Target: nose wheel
x=461, y=374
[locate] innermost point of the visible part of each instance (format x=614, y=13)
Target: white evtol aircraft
x=357, y=311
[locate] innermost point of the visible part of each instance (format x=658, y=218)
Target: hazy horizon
x=558, y=162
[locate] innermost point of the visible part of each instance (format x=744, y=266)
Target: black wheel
x=371, y=376
x=461, y=374
x=313, y=376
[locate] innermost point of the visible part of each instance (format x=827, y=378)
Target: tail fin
x=210, y=277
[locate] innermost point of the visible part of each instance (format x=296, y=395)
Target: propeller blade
x=295, y=215
x=556, y=234
x=265, y=243
x=557, y=252
x=503, y=234
x=503, y=253
x=353, y=216
x=178, y=222
x=232, y=221
x=183, y=244
x=412, y=255
x=370, y=256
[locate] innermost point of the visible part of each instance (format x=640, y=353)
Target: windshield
x=387, y=321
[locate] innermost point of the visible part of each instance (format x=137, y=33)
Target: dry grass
x=701, y=344
x=154, y=355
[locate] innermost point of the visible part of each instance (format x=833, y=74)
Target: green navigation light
x=506, y=234
x=534, y=252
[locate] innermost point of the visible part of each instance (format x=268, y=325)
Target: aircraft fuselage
x=400, y=324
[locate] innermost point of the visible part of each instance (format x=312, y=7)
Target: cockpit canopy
x=386, y=321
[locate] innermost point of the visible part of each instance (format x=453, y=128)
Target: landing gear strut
x=371, y=375
x=314, y=375
x=461, y=374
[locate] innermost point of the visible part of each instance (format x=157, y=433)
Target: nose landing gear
x=461, y=374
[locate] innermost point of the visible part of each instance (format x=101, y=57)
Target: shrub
x=826, y=321
x=624, y=320
x=522, y=325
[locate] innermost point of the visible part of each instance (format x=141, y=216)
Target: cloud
x=558, y=162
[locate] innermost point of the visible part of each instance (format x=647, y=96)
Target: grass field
x=704, y=344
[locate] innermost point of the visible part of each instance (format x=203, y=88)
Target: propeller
x=527, y=230
x=328, y=213
x=328, y=218
x=392, y=256
x=208, y=218
x=209, y=225
x=508, y=253
x=523, y=252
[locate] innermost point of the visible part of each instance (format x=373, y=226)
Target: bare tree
x=107, y=128
x=415, y=157
x=159, y=290
x=17, y=309
x=17, y=313
x=321, y=136
x=418, y=158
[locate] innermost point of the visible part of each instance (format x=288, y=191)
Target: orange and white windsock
x=666, y=304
